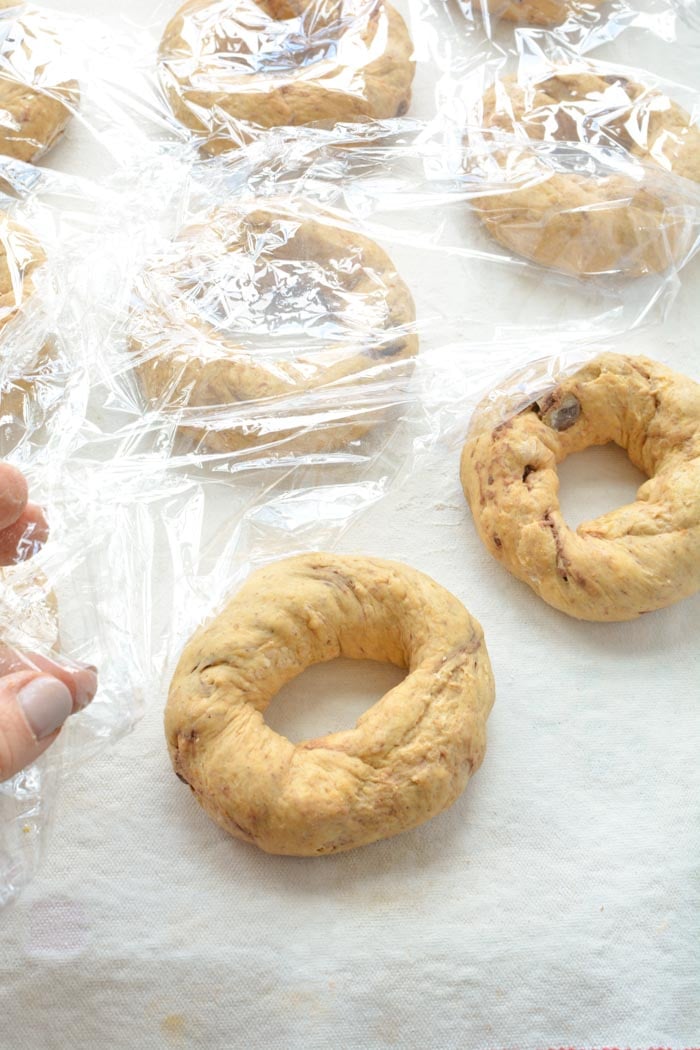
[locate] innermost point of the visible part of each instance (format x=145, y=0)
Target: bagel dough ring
x=640, y=557
x=407, y=758
x=333, y=272
x=34, y=95
x=367, y=73
x=585, y=224
x=537, y=12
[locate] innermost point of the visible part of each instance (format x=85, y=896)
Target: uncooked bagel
x=36, y=97
x=629, y=224
x=276, y=262
x=274, y=63
x=641, y=557
x=408, y=757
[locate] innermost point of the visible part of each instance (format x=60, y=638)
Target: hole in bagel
x=596, y=481
x=270, y=37
x=329, y=697
x=279, y=284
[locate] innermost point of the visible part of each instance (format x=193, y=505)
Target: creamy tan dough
x=186, y=360
x=407, y=758
x=586, y=224
x=538, y=12
x=36, y=100
x=368, y=72
x=641, y=557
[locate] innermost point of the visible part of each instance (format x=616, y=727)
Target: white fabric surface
x=556, y=904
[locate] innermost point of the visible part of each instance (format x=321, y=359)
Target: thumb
x=33, y=707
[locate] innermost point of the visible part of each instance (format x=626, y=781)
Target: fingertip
x=46, y=703
x=33, y=708
x=85, y=687
x=35, y=517
x=13, y=494
x=81, y=679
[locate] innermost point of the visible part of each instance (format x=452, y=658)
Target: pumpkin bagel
x=407, y=758
x=641, y=557
x=274, y=63
x=559, y=207
x=252, y=319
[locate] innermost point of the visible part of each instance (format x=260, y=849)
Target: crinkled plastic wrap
x=222, y=72
x=38, y=88
x=261, y=307
x=583, y=25
x=74, y=93
x=64, y=603
x=600, y=163
x=285, y=304
x=218, y=529
x=224, y=66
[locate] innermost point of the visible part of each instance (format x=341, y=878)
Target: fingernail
x=85, y=686
x=46, y=704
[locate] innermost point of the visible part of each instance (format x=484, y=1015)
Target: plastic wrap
x=276, y=64
x=38, y=88
x=73, y=95
x=600, y=164
x=646, y=27
x=61, y=603
x=285, y=304
x=221, y=73
x=309, y=304
x=214, y=520
x=228, y=71
x=75, y=601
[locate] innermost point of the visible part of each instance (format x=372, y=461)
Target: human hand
x=37, y=695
